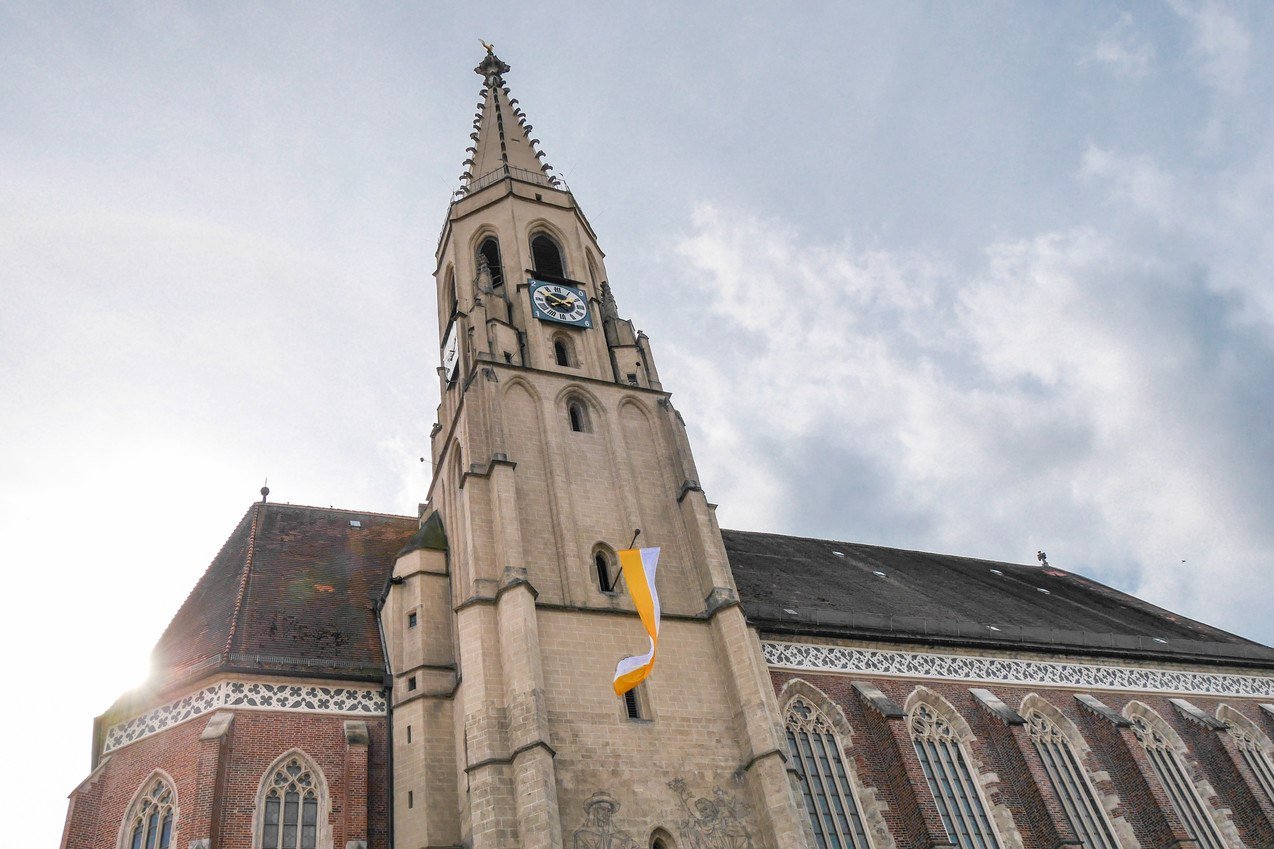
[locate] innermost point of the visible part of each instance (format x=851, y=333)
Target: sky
x=977, y=278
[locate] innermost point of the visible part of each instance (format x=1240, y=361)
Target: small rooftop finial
x=265, y=491
x=1042, y=558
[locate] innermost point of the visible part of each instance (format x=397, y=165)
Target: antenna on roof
x=265, y=491
x=1042, y=558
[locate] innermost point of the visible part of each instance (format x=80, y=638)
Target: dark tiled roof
x=293, y=589
x=795, y=585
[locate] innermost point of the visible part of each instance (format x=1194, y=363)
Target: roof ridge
x=243, y=580
x=331, y=509
x=896, y=548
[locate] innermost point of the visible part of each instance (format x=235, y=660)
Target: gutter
x=388, y=682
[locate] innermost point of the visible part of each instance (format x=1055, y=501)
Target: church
x=354, y=680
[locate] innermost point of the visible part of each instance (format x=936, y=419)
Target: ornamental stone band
x=246, y=695
x=818, y=658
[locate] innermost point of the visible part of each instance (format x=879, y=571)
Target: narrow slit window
x=605, y=572
x=632, y=705
x=562, y=352
x=578, y=415
x=546, y=257
x=412, y=619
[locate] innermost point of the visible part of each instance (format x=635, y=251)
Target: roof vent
x=1041, y=589
x=839, y=553
x=354, y=523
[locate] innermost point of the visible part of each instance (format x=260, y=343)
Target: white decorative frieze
x=246, y=695
x=817, y=658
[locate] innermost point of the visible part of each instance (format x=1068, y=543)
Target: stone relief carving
x=599, y=830
x=716, y=823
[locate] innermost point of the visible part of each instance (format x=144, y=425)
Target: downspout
x=388, y=683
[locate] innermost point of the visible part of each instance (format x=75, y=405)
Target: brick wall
x=354, y=774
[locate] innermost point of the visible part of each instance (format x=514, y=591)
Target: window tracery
x=293, y=806
x=1178, y=784
x=1253, y=746
x=152, y=820
x=1079, y=799
x=951, y=780
x=829, y=794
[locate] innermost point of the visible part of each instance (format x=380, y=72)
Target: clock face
x=563, y=304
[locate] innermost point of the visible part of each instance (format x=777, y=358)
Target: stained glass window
x=946, y=768
x=829, y=794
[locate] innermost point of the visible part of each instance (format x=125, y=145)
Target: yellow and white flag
x=639, y=574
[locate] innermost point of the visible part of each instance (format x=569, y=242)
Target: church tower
x=555, y=441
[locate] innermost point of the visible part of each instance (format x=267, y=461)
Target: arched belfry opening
x=546, y=256
x=490, y=251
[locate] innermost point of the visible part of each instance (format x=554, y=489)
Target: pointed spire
x=502, y=142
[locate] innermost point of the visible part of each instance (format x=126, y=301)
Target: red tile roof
x=292, y=590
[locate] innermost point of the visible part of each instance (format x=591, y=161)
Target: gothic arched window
x=1079, y=800
x=293, y=805
x=829, y=795
x=490, y=251
x=151, y=820
x=1176, y=781
x=954, y=788
x=1252, y=745
x=546, y=257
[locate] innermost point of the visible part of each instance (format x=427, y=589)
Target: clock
x=563, y=304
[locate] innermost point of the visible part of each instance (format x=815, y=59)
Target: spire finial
x=265, y=491
x=491, y=68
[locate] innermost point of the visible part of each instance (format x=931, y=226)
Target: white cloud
x=1121, y=50
x=1049, y=400
x=1220, y=44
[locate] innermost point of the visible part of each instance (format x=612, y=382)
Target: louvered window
x=1071, y=781
x=829, y=794
x=1179, y=786
x=291, y=809
x=951, y=781
x=151, y=822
